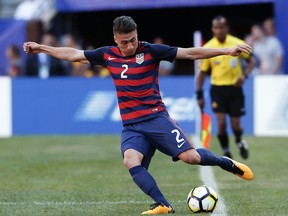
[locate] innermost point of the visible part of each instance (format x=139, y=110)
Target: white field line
x=207, y=177
x=45, y=203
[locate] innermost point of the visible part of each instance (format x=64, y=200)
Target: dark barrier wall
x=89, y=106
x=280, y=10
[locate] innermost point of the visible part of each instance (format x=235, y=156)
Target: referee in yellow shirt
x=227, y=78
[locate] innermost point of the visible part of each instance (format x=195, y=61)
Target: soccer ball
x=202, y=199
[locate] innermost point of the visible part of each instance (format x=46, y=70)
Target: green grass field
x=84, y=175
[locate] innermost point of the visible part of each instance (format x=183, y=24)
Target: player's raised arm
x=203, y=53
x=63, y=53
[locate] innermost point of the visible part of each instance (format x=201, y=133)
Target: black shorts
x=228, y=99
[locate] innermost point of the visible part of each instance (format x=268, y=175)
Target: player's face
x=220, y=29
x=127, y=43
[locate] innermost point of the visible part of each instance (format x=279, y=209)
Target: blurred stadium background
x=75, y=105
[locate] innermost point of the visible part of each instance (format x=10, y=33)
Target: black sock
x=238, y=135
x=224, y=142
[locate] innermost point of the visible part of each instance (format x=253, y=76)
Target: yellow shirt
x=225, y=70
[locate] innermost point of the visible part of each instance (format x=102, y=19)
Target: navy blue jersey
x=135, y=78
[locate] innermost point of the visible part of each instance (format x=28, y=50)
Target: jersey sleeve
x=95, y=57
x=163, y=52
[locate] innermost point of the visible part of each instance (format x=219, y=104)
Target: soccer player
x=147, y=126
x=226, y=91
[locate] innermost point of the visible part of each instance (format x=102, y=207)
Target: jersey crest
x=140, y=58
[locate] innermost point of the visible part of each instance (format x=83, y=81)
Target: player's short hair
x=221, y=18
x=124, y=24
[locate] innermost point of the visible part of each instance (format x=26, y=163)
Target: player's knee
x=191, y=157
x=127, y=163
x=130, y=162
x=131, y=159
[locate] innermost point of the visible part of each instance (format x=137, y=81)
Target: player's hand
x=237, y=50
x=240, y=81
x=31, y=47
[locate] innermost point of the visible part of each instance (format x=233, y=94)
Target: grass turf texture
x=84, y=175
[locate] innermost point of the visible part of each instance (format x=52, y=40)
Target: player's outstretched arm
x=203, y=52
x=63, y=53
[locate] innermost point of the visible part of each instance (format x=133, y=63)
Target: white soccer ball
x=202, y=199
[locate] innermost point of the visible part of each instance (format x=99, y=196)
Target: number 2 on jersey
x=123, y=75
x=178, y=140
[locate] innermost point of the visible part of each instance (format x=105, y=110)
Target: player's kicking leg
x=205, y=157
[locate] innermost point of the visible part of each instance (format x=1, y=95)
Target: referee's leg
x=237, y=109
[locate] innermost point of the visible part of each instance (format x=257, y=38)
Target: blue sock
x=147, y=184
x=209, y=158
